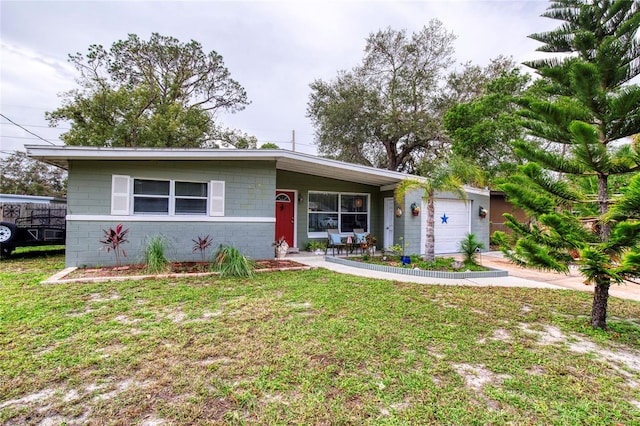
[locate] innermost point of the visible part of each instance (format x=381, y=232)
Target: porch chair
x=359, y=237
x=334, y=241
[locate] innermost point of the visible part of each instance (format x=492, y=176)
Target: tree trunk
x=430, y=245
x=599, y=308
x=601, y=292
x=603, y=201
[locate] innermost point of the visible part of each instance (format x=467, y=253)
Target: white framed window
x=166, y=197
x=151, y=196
x=335, y=210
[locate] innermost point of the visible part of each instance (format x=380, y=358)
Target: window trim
x=339, y=212
x=123, y=197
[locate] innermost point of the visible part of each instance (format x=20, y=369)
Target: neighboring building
x=33, y=199
x=14, y=206
x=500, y=206
x=243, y=198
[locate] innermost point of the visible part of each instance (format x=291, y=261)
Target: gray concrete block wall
x=83, y=247
x=249, y=190
x=411, y=224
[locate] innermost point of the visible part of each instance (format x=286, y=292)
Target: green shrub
x=231, y=263
x=154, y=254
x=470, y=248
x=313, y=245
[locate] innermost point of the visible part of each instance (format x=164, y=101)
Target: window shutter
x=120, y=186
x=216, y=198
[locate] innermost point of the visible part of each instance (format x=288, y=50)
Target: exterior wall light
x=398, y=212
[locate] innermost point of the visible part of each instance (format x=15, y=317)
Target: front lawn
x=311, y=347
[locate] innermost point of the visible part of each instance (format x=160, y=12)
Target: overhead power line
x=25, y=129
x=42, y=127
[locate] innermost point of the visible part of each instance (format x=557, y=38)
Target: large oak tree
x=155, y=93
x=387, y=112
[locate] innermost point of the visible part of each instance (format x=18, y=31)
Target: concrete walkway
x=518, y=277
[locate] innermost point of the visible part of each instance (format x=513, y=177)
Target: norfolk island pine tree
x=578, y=132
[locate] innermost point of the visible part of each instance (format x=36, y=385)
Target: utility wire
x=26, y=130
x=42, y=127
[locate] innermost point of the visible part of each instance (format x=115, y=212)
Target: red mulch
x=175, y=268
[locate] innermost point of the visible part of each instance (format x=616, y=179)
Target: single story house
x=243, y=198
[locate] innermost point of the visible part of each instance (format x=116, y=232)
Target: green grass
x=311, y=347
x=154, y=254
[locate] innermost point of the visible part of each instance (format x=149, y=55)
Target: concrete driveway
x=573, y=280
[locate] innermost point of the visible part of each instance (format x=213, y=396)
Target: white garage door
x=452, y=223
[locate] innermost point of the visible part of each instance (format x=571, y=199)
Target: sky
x=274, y=49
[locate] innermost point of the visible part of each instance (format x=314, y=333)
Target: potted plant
x=415, y=209
x=398, y=249
x=370, y=244
x=281, y=246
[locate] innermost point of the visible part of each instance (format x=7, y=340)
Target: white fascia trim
x=65, y=153
x=474, y=190
x=467, y=189
x=327, y=162
x=185, y=218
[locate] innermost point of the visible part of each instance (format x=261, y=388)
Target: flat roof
x=285, y=160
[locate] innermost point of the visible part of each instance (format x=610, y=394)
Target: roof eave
x=285, y=160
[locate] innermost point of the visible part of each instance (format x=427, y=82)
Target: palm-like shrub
x=470, y=247
x=202, y=244
x=113, y=239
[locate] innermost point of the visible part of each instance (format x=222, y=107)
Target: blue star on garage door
x=444, y=218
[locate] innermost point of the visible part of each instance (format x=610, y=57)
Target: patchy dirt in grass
x=550, y=335
x=98, y=298
x=499, y=334
x=620, y=359
x=38, y=397
x=476, y=376
x=45, y=401
x=625, y=362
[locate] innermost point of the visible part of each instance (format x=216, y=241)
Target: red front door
x=285, y=215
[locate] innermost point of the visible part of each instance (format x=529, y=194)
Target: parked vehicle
x=41, y=226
